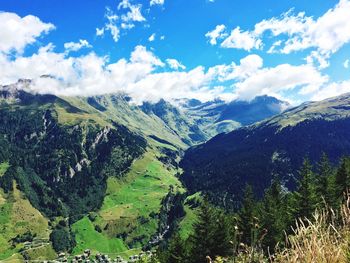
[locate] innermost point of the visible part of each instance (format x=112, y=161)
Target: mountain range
x=77, y=163
x=275, y=147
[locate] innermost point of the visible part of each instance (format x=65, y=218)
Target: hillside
x=64, y=149
x=275, y=147
x=111, y=165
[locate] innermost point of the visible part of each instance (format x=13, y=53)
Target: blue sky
x=230, y=65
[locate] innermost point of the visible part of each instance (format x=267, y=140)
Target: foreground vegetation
x=310, y=224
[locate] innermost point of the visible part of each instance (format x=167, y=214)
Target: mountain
x=274, y=147
x=93, y=168
x=177, y=121
x=219, y=116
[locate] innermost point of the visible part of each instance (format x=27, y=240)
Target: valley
x=103, y=175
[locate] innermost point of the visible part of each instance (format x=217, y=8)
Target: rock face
x=275, y=147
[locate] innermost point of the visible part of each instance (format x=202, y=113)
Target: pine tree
x=221, y=235
x=202, y=238
x=342, y=179
x=324, y=187
x=176, y=251
x=211, y=234
x=305, y=195
x=246, y=215
x=274, y=217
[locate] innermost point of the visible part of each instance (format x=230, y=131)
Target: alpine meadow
x=174, y=131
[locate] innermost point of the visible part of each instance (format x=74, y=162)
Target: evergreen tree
x=324, y=185
x=246, y=215
x=176, y=251
x=305, y=195
x=201, y=239
x=210, y=234
x=274, y=216
x=221, y=234
x=342, y=178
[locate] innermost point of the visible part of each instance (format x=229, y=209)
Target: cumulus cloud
x=17, y=32
x=242, y=40
x=134, y=13
x=215, y=34
x=144, y=76
x=248, y=66
x=281, y=78
x=127, y=15
x=332, y=90
x=346, y=63
x=75, y=46
x=156, y=2
x=326, y=34
x=174, y=64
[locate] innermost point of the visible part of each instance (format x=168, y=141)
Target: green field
x=127, y=207
x=18, y=216
x=88, y=237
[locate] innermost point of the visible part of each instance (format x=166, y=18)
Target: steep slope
x=275, y=147
x=185, y=127
x=74, y=158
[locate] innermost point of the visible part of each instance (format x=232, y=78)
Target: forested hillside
x=273, y=148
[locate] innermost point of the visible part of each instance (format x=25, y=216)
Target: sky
x=152, y=49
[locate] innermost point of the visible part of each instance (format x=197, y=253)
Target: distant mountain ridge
x=219, y=116
x=274, y=147
x=183, y=123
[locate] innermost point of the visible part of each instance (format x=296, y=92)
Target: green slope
x=129, y=208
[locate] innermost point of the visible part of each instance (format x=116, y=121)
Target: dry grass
x=325, y=239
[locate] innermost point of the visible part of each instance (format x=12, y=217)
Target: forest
x=266, y=230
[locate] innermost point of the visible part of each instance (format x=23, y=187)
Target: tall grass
x=325, y=239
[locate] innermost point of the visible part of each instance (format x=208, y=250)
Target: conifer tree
x=305, y=195
x=342, y=179
x=202, y=238
x=176, y=251
x=324, y=184
x=210, y=234
x=274, y=217
x=221, y=234
x=246, y=215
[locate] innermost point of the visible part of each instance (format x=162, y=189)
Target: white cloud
x=115, y=31
x=134, y=13
x=116, y=23
x=75, y=46
x=143, y=56
x=144, y=76
x=332, y=90
x=100, y=31
x=346, y=63
x=162, y=37
x=174, y=64
x=279, y=79
x=242, y=40
x=217, y=33
x=156, y=2
x=297, y=32
x=248, y=65
x=17, y=32
x=152, y=37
